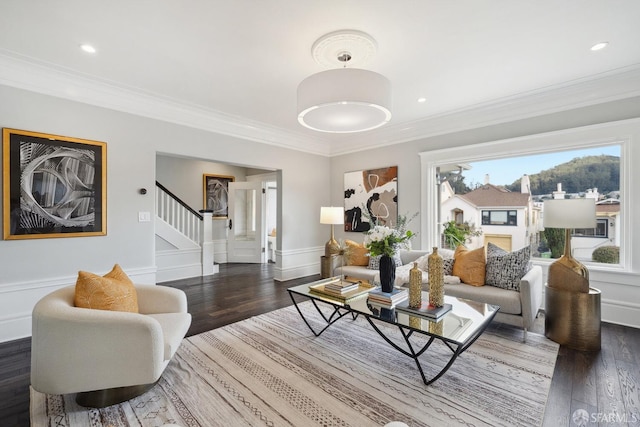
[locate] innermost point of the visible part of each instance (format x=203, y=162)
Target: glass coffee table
x=458, y=329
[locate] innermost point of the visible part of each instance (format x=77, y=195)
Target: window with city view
x=502, y=201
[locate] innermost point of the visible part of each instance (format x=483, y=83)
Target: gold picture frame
x=215, y=194
x=53, y=186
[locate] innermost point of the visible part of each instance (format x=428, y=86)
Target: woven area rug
x=270, y=370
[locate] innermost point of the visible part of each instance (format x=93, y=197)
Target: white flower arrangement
x=383, y=240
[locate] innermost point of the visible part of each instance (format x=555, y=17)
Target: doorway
x=184, y=176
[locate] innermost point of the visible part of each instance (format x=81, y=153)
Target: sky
x=505, y=171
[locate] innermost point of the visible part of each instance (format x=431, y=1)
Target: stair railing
x=178, y=214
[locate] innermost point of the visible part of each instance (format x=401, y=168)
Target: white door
x=246, y=239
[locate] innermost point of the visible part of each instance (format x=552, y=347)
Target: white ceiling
x=234, y=65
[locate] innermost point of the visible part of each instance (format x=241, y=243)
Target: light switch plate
x=144, y=216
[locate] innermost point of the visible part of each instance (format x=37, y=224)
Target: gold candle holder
x=436, y=279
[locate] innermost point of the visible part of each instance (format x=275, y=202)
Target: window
x=490, y=163
x=458, y=216
x=601, y=230
x=499, y=218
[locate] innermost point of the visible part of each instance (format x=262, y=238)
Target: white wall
x=31, y=268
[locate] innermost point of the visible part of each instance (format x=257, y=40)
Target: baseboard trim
x=621, y=313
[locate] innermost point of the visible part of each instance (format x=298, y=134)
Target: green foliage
x=458, y=234
x=607, y=254
x=579, y=174
x=554, y=238
x=456, y=181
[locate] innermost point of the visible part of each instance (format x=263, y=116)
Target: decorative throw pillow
x=374, y=262
x=447, y=265
x=447, y=262
x=357, y=254
x=114, y=291
x=446, y=253
x=423, y=262
x=505, y=269
x=469, y=266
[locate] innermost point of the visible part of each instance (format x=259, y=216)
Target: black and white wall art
x=53, y=186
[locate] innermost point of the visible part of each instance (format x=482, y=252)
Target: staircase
x=184, y=241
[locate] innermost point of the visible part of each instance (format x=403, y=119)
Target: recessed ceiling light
x=599, y=46
x=422, y=99
x=88, y=48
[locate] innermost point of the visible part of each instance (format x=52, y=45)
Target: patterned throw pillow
x=469, y=266
x=447, y=264
x=113, y=291
x=374, y=262
x=505, y=269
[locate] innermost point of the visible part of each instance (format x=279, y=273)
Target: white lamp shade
x=344, y=100
x=331, y=215
x=570, y=213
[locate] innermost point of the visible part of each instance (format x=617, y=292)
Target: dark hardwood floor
x=605, y=384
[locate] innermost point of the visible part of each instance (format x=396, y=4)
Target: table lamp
x=567, y=273
x=331, y=215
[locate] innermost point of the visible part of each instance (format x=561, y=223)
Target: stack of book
x=425, y=309
x=388, y=299
x=340, y=287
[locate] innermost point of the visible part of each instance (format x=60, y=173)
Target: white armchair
x=105, y=356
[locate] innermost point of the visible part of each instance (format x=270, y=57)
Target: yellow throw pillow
x=357, y=253
x=469, y=266
x=114, y=291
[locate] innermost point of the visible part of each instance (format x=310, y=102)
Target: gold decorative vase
x=415, y=286
x=436, y=279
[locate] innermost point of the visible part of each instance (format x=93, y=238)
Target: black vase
x=387, y=273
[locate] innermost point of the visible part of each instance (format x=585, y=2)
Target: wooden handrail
x=177, y=199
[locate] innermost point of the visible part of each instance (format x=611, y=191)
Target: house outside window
x=601, y=230
x=500, y=217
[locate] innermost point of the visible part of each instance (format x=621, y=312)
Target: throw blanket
x=270, y=370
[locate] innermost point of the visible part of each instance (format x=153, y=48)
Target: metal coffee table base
x=340, y=311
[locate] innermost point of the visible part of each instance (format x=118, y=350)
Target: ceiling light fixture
x=88, y=48
x=422, y=99
x=599, y=46
x=344, y=100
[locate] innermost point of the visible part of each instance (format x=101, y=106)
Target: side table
x=573, y=318
x=328, y=265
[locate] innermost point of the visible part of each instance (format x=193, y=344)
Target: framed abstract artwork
x=370, y=195
x=215, y=189
x=53, y=186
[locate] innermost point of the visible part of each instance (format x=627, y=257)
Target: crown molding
x=611, y=86
x=48, y=79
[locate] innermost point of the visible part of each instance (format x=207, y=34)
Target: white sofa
x=516, y=308
x=77, y=350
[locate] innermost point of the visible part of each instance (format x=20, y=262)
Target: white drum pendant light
x=344, y=100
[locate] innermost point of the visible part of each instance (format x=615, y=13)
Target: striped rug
x=271, y=371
